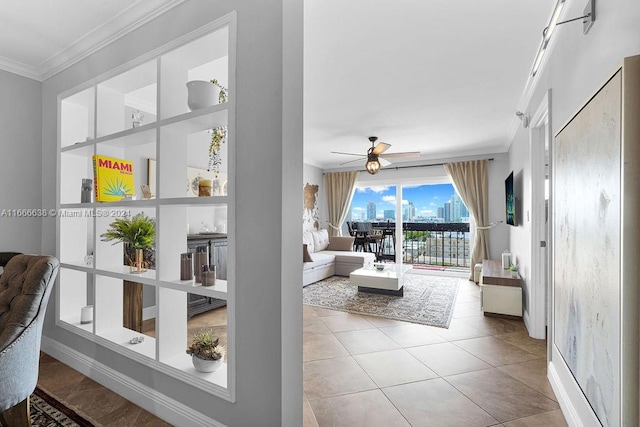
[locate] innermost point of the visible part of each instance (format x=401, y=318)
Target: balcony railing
x=438, y=244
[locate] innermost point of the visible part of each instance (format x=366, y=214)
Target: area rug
x=47, y=411
x=428, y=300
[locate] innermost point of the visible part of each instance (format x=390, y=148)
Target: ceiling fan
x=375, y=157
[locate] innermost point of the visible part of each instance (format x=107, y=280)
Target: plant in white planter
x=206, y=351
x=202, y=94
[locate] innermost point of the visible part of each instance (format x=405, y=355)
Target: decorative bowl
x=378, y=266
x=201, y=94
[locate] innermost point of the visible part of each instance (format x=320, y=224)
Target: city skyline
x=419, y=202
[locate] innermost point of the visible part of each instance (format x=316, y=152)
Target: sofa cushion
x=307, y=239
x=305, y=254
x=338, y=243
x=362, y=258
x=318, y=260
x=320, y=240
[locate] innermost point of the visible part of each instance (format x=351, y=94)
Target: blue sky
x=426, y=198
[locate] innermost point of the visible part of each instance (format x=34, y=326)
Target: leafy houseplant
x=218, y=137
x=206, y=351
x=514, y=270
x=138, y=232
x=222, y=96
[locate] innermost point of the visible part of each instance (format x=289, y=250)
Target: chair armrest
x=19, y=367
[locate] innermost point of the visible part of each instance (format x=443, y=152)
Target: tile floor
x=368, y=371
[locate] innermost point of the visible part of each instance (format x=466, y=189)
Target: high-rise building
x=411, y=211
x=371, y=211
x=389, y=214
x=447, y=212
x=440, y=213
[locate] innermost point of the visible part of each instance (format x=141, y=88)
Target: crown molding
x=18, y=68
x=128, y=20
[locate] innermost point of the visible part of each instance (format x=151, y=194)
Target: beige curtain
x=470, y=181
x=340, y=188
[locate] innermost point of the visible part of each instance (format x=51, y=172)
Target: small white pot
x=205, y=365
x=202, y=94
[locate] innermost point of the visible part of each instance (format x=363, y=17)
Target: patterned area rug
x=47, y=411
x=427, y=299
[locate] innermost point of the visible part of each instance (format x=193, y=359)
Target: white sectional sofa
x=330, y=256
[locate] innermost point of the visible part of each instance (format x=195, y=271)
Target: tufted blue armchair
x=25, y=286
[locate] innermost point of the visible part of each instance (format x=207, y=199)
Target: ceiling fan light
x=373, y=165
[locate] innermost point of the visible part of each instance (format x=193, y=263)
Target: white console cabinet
x=501, y=292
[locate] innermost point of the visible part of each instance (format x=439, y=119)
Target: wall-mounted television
x=510, y=200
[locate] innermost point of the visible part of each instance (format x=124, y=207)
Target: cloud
x=389, y=199
x=357, y=208
x=426, y=212
x=436, y=197
x=373, y=189
x=405, y=202
x=432, y=204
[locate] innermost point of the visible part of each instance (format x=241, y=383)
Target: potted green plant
x=138, y=232
x=514, y=270
x=222, y=95
x=218, y=137
x=206, y=351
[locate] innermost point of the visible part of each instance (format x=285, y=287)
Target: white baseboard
x=575, y=407
x=157, y=403
x=568, y=410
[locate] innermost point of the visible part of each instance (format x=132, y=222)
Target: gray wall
x=268, y=313
x=578, y=65
x=21, y=154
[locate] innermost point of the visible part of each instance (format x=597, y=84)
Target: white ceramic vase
x=201, y=94
x=205, y=365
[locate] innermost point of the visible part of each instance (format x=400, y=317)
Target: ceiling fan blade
x=383, y=162
x=380, y=148
x=404, y=155
x=351, y=161
x=348, y=154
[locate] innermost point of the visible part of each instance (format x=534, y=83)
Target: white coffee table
x=389, y=281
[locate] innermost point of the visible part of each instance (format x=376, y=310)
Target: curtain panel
x=340, y=188
x=470, y=180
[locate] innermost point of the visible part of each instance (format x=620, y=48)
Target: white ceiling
x=442, y=77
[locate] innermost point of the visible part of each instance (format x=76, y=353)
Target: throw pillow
x=344, y=243
x=305, y=254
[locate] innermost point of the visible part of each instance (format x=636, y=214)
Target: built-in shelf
x=165, y=148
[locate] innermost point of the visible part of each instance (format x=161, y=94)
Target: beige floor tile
x=502, y=396
x=308, y=417
x=547, y=419
x=466, y=309
x=334, y=377
x=365, y=409
x=383, y=322
x=436, y=403
x=459, y=330
x=346, y=322
x=523, y=341
x=447, y=359
x=493, y=325
x=393, y=367
x=323, y=312
x=534, y=374
x=315, y=347
x=313, y=325
x=495, y=351
x=365, y=341
x=465, y=296
x=308, y=312
x=411, y=334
